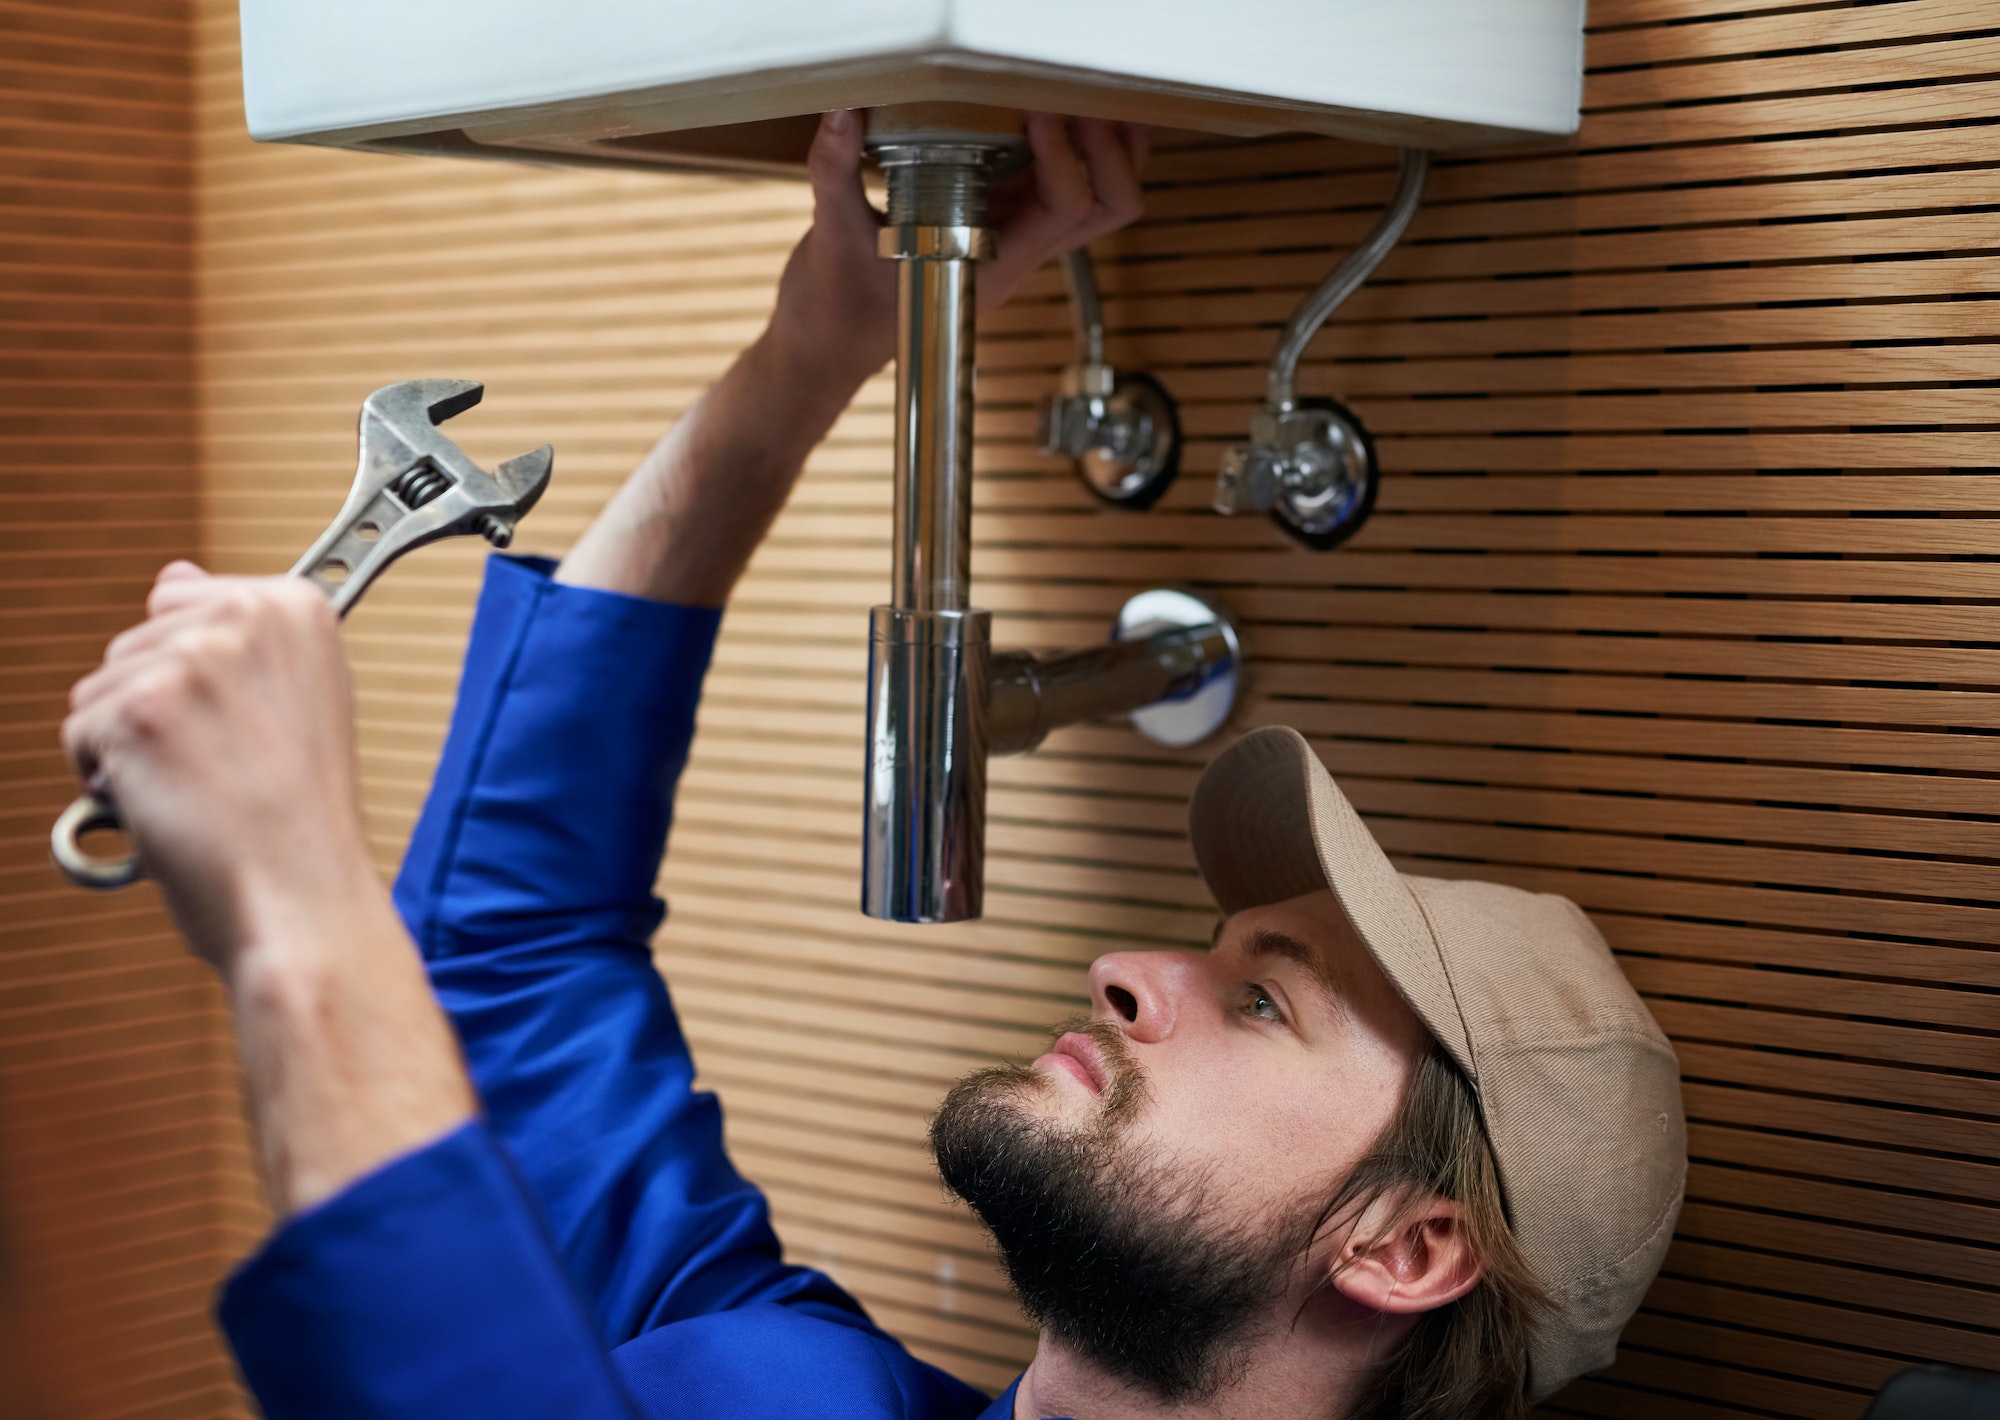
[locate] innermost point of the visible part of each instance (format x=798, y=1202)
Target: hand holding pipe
x=413, y=485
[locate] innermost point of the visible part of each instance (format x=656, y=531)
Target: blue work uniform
x=584, y=1250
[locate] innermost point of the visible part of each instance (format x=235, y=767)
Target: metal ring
x=1199, y=712
x=86, y=813
x=935, y=243
x=1137, y=482
x=1333, y=513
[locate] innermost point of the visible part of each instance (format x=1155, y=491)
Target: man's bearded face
x=1115, y=1250
x=1154, y=1182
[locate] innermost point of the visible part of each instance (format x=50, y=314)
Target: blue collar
x=1002, y=1407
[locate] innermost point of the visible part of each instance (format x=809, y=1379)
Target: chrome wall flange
x=1310, y=462
x=1312, y=468
x=1172, y=665
x=1205, y=698
x=1122, y=432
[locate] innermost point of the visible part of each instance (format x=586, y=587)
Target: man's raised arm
x=529, y=883
x=416, y=1274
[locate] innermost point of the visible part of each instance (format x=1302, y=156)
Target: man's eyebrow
x=1270, y=942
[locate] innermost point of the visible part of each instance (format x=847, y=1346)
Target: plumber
x=1391, y=1147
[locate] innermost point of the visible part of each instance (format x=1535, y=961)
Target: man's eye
x=1257, y=1002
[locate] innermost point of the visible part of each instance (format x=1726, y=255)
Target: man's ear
x=1403, y=1259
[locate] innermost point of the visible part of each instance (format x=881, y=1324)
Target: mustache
x=1127, y=1083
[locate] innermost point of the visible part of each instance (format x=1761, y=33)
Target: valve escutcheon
x=1311, y=466
x=1121, y=431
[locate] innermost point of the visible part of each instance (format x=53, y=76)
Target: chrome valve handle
x=1311, y=467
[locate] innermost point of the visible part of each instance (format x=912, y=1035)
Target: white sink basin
x=725, y=84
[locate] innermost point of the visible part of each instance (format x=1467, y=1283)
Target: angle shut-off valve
x=1120, y=430
x=1310, y=462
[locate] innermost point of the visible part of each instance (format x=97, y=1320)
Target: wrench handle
x=92, y=810
x=88, y=811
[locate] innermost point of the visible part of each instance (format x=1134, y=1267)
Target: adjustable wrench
x=413, y=486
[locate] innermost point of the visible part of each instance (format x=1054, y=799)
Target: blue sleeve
x=529, y=887
x=425, y=1291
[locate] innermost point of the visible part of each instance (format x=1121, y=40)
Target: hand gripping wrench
x=413, y=486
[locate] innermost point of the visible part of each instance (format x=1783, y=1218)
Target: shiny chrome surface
x=933, y=478
x=1309, y=462
x=1312, y=467
x=1200, y=701
x=1172, y=665
x=1122, y=432
x=1086, y=307
x=925, y=784
x=935, y=698
x=924, y=794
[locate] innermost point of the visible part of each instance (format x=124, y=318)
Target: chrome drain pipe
x=930, y=650
x=934, y=701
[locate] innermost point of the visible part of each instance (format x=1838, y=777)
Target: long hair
x=1466, y=1360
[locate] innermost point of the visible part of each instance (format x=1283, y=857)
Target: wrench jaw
x=521, y=480
x=410, y=404
x=413, y=485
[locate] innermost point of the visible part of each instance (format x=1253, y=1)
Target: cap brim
x=1268, y=823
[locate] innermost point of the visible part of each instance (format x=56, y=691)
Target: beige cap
x=1578, y=1087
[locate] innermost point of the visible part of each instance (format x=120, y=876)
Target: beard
x=1118, y=1255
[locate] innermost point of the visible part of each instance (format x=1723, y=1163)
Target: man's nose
x=1143, y=991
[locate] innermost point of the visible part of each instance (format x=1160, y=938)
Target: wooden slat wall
x=113, y=1065
x=1678, y=601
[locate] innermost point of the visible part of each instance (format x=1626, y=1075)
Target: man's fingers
x=171, y=595
x=1058, y=197
x=1062, y=183
x=284, y=610
x=148, y=635
x=1079, y=196
x=180, y=570
x=1138, y=139
x=1114, y=182
x=175, y=606
x=233, y=596
x=81, y=733
x=833, y=164
x=179, y=574
x=127, y=696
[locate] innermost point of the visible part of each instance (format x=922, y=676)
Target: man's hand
x=222, y=727
x=685, y=524
x=837, y=298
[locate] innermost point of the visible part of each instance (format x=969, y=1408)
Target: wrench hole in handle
x=368, y=532
x=91, y=847
x=333, y=571
x=107, y=842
